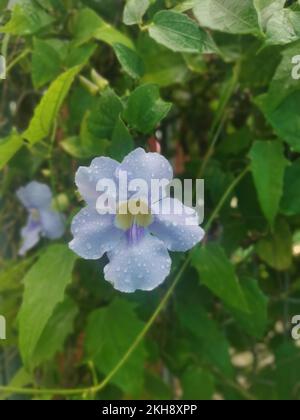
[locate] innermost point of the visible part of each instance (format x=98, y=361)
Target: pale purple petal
x=53, y=224
x=94, y=234
x=143, y=265
x=177, y=228
x=30, y=236
x=87, y=178
x=146, y=166
x=35, y=196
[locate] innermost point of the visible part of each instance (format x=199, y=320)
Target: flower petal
x=142, y=266
x=176, y=225
x=30, y=236
x=94, y=234
x=52, y=224
x=146, y=166
x=35, y=196
x=87, y=178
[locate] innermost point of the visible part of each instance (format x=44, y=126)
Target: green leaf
x=48, y=109
x=266, y=60
x=266, y=9
x=283, y=84
x=27, y=19
x=122, y=142
x=111, y=36
x=256, y=321
x=134, y=11
x=185, y=5
x=290, y=203
x=9, y=146
x=232, y=16
x=287, y=371
x=45, y=286
x=210, y=343
x=197, y=384
x=83, y=148
x=80, y=55
x=91, y=144
x=85, y=24
x=283, y=27
x=58, y=328
x=145, y=109
x=163, y=67
x=276, y=249
x=52, y=55
x=11, y=275
x=109, y=335
x=3, y=4
x=217, y=273
x=280, y=104
x=105, y=115
x=130, y=61
x=284, y=118
x=268, y=166
x=177, y=32
x=248, y=204
x=46, y=62
x=236, y=143
x=88, y=24
x=78, y=102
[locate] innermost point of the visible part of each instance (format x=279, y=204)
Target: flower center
x=35, y=215
x=133, y=213
x=135, y=234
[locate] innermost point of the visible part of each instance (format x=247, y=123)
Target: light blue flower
x=137, y=246
x=42, y=220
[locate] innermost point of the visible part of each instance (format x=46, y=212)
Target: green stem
x=225, y=197
x=220, y=116
x=52, y=172
x=51, y=165
x=17, y=59
x=145, y=330
x=211, y=148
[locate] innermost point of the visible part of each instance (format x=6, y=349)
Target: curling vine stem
x=17, y=59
